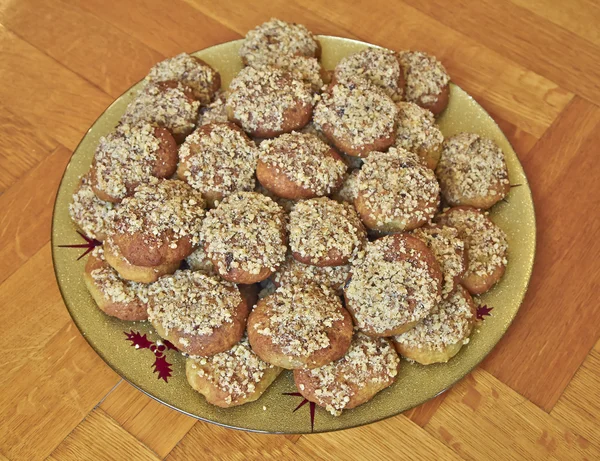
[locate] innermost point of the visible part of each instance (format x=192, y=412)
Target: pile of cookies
x=301, y=219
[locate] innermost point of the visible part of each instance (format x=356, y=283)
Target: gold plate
x=273, y=412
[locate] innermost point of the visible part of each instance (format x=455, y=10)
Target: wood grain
x=481, y=417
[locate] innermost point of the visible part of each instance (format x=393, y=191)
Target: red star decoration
x=160, y=365
x=483, y=311
x=89, y=245
x=301, y=404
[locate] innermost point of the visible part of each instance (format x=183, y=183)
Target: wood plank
x=521, y=141
x=507, y=89
x=579, y=16
x=116, y=442
x=26, y=216
x=394, y=438
x=533, y=41
x=51, y=378
x=579, y=406
x=557, y=323
x=481, y=418
x=61, y=103
x=167, y=29
x=146, y=419
x=91, y=47
x=422, y=414
x=22, y=147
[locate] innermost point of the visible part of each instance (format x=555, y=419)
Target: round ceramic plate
x=134, y=350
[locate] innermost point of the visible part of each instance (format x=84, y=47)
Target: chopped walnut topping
x=199, y=261
x=349, y=189
x=192, y=302
x=236, y=372
x=218, y=158
x=397, y=188
x=285, y=203
x=299, y=318
x=92, y=215
x=293, y=272
x=165, y=105
x=390, y=287
x=357, y=111
x=302, y=68
x=485, y=242
x=279, y=38
x=161, y=208
x=125, y=158
x=261, y=98
x=113, y=287
x=378, y=65
x=425, y=76
x=448, y=324
x=417, y=131
x=310, y=128
x=448, y=249
x=246, y=231
x=189, y=70
x=215, y=112
x=304, y=159
x=370, y=362
x=321, y=227
x=471, y=167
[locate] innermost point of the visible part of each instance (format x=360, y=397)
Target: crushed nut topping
x=293, y=272
x=125, y=159
x=302, y=68
x=378, y=65
x=349, y=189
x=370, y=362
x=359, y=112
x=189, y=70
x=304, y=159
x=471, y=167
x=165, y=105
x=279, y=38
x=391, y=286
x=215, y=112
x=397, y=188
x=159, y=209
x=448, y=324
x=218, y=158
x=425, y=76
x=321, y=226
x=192, y=302
x=199, y=261
x=245, y=231
x=261, y=98
x=299, y=318
x=417, y=131
x=448, y=250
x=92, y=215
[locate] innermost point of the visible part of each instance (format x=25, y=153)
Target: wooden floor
x=533, y=64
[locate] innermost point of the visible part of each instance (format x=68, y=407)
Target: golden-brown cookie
x=276, y=37
x=231, y=378
x=323, y=232
x=158, y=226
x=168, y=104
x=304, y=68
x=357, y=117
x=199, y=261
x=300, y=327
x=285, y=203
x=378, y=65
x=396, y=192
x=114, y=296
x=218, y=159
x=192, y=72
x=293, y=272
x=267, y=102
x=215, y=112
x=296, y=166
x=92, y=215
x=201, y=315
x=397, y=284
x=417, y=132
x=245, y=237
x=369, y=366
x=449, y=251
x=129, y=157
x=349, y=189
x=427, y=82
x=485, y=244
x=472, y=171
x=440, y=335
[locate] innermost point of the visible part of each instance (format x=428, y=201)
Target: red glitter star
x=301, y=404
x=89, y=244
x=483, y=311
x=160, y=365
